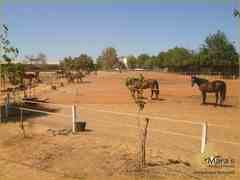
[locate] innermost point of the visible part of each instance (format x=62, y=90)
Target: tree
x=217, y=50
x=8, y=69
x=132, y=62
x=180, y=56
x=99, y=63
x=40, y=59
x=149, y=63
x=15, y=73
x=67, y=63
x=7, y=52
x=162, y=59
x=141, y=60
x=109, y=58
x=82, y=63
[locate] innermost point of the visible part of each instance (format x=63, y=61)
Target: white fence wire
x=75, y=115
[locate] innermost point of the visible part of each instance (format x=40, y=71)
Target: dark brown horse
x=60, y=74
x=136, y=85
x=72, y=76
x=218, y=87
x=30, y=76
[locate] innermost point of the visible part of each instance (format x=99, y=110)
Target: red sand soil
x=108, y=149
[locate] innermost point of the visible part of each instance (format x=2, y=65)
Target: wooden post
x=21, y=125
x=204, y=137
x=0, y=113
x=73, y=118
x=139, y=151
x=6, y=105
x=144, y=139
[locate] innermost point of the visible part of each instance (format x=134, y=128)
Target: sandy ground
x=107, y=150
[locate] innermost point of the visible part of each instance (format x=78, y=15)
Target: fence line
x=154, y=130
x=130, y=114
x=117, y=113
x=177, y=134
x=203, y=139
x=225, y=142
x=135, y=115
x=151, y=117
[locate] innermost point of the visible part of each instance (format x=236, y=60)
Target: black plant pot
x=80, y=126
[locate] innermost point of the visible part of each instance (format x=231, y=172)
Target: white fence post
x=73, y=118
x=204, y=137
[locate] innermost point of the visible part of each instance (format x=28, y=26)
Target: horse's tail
x=224, y=91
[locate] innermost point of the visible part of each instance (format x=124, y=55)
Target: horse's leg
x=216, y=98
x=140, y=93
x=157, y=94
x=132, y=93
x=221, y=98
x=151, y=93
x=204, y=95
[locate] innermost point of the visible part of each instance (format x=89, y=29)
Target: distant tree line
x=83, y=63
x=217, y=54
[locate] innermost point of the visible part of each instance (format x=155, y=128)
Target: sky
x=69, y=28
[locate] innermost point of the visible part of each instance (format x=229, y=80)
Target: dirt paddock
x=107, y=150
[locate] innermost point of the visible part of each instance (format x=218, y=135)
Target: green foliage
x=217, y=50
x=178, y=57
x=14, y=72
x=40, y=59
x=173, y=57
x=108, y=58
x=99, y=63
x=82, y=63
x=7, y=52
x=142, y=60
x=132, y=62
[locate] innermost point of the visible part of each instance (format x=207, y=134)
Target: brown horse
x=60, y=74
x=32, y=76
x=71, y=77
x=218, y=87
x=137, y=86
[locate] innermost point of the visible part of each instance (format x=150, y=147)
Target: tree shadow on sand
x=160, y=169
